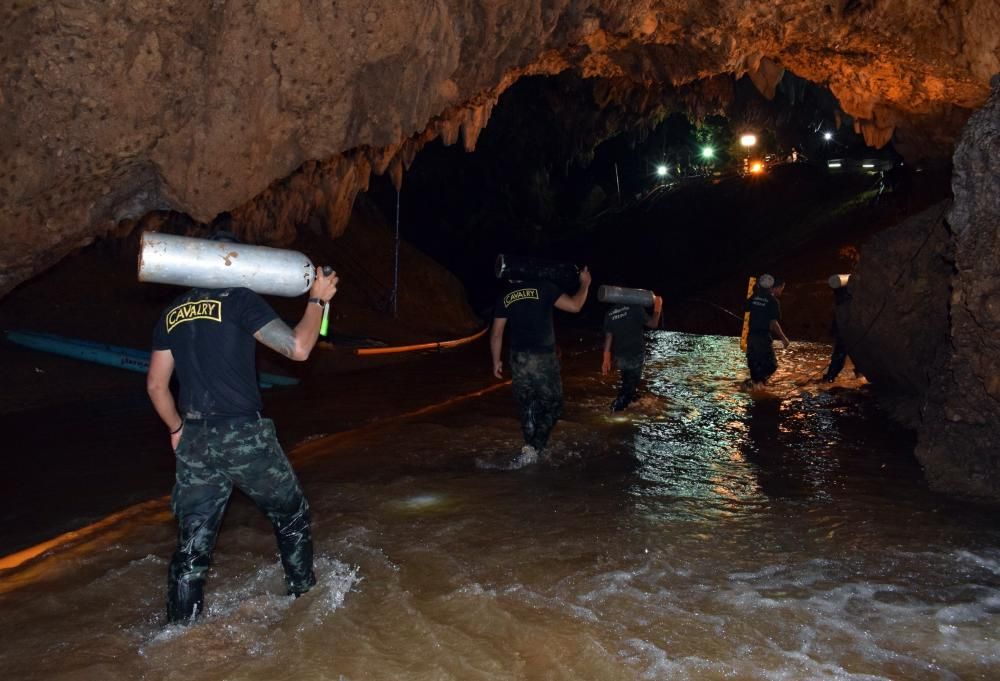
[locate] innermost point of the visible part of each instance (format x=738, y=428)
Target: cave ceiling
x=275, y=109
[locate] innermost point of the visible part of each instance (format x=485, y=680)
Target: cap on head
x=765, y=281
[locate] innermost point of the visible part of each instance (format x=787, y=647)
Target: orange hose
x=159, y=509
x=436, y=345
x=155, y=506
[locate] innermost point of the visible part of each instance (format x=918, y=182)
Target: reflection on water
x=705, y=534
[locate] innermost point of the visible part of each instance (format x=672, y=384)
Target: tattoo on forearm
x=278, y=336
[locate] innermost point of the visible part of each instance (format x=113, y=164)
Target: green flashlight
x=325, y=324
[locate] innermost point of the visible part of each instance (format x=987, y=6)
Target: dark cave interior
x=614, y=176
x=648, y=186
x=569, y=169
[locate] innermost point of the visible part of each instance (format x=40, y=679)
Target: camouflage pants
x=538, y=391
x=631, y=368
x=213, y=456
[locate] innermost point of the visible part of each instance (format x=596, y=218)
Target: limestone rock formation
x=112, y=109
x=924, y=323
x=896, y=324
x=960, y=436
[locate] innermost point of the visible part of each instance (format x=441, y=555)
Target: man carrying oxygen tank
x=527, y=306
x=209, y=336
x=624, y=325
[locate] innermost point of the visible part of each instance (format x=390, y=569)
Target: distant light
x=707, y=152
x=867, y=165
x=833, y=164
x=756, y=167
x=748, y=140
x=661, y=170
x=828, y=136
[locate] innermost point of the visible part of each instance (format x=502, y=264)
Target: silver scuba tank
x=625, y=296
x=205, y=263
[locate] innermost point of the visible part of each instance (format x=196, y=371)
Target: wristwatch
x=318, y=301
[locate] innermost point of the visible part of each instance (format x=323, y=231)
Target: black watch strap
x=318, y=301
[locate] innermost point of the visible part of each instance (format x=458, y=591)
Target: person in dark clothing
x=220, y=440
x=841, y=297
x=765, y=318
x=623, y=334
x=527, y=307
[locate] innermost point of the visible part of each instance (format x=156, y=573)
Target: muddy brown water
x=705, y=534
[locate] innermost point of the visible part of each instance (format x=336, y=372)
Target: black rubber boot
x=295, y=545
x=185, y=597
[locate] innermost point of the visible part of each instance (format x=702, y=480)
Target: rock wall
x=960, y=436
x=896, y=324
x=924, y=322
x=112, y=108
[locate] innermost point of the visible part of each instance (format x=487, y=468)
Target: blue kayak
x=131, y=359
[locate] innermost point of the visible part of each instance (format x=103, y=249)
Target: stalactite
x=216, y=127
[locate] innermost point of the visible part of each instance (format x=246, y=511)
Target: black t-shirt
x=763, y=307
x=527, y=307
x=626, y=323
x=210, y=332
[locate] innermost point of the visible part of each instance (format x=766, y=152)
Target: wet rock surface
x=924, y=322
x=896, y=324
x=960, y=437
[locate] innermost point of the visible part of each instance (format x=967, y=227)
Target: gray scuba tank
x=205, y=263
x=625, y=296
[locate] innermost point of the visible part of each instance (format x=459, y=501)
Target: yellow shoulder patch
x=194, y=309
x=520, y=294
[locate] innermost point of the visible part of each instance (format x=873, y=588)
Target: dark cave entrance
x=654, y=187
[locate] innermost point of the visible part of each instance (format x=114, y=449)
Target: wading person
x=219, y=438
x=624, y=327
x=841, y=297
x=765, y=325
x=526, y=306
